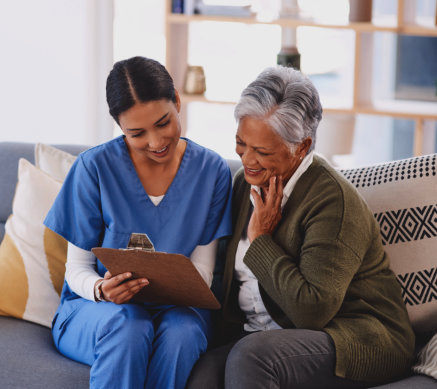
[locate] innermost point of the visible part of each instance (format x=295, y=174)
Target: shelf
x=406, y=109
x=293, y=23
x=185, y=98
x=330, y=105
x=417, y=30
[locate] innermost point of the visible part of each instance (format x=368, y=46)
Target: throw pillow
x=402, y=194
x=427, y=360
x=53, y=161
x=32, y=257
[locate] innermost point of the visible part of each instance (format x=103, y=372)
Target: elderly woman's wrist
x=255, y=236
x=261, y=254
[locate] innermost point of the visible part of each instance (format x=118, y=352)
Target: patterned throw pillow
x=32, y=257
x=403, y=196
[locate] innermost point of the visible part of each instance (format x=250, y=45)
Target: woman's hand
x=267, y=211
x=120, y=291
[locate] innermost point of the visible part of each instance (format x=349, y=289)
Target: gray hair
x=288, y=101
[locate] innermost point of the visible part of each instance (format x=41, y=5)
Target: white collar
x=304, y=165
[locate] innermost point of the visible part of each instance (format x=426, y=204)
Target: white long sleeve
x=203, y=258
x=80, y=271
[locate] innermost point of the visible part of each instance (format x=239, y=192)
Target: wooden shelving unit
x=177, y=29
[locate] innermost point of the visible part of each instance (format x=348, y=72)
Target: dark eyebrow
x=161, y=118
x=157, y=122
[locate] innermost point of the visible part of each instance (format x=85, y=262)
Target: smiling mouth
x=252, y=172
x=159, y=152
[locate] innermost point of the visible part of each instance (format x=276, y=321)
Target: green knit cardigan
x=324, y=268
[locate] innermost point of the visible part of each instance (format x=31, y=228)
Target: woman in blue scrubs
x=149, y=180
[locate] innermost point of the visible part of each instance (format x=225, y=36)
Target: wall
x=55, y=56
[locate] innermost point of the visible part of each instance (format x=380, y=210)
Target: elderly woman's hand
x=267, y=209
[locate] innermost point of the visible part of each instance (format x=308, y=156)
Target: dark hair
x=137, y=80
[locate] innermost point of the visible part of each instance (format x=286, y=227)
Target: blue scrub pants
x=132, y=345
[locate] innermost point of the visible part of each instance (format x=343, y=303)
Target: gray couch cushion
x=29, y=359
x=413, y=382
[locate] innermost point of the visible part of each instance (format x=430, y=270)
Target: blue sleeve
x=76, y=213
x=219, y=215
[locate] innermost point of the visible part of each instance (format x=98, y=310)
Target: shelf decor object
x=289, y=55
x=194, y=80
x=289, y=9
x=360, y=11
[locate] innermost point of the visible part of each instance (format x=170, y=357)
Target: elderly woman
x=307, y=284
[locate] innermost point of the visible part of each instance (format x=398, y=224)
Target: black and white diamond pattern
x=405, y=225
x=403, y=170
x=412, y=224
x=419, y=287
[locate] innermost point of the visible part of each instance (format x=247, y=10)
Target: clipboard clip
x=139, y=241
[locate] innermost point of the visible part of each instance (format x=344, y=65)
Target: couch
x=28, y=357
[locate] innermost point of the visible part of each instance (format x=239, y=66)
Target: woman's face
x=264, y=154
x=152, y=129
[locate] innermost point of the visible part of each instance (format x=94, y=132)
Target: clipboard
x=173, y=279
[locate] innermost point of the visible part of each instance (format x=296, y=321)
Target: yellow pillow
x=32, y=257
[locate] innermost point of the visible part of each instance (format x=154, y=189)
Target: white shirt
x=249, y=298
x=81, y=274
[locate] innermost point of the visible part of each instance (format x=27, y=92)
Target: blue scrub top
x=103, y=201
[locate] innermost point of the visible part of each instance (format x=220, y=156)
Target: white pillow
x=53, y=161
x=427, y=363
x=403, y=196
x=32, y=257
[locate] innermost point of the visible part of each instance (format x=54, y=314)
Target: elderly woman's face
x=263, y=152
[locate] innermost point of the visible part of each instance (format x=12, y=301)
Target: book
x=177, y=6
x=173, y=279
